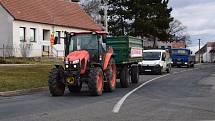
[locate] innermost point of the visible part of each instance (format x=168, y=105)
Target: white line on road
x=118, y=105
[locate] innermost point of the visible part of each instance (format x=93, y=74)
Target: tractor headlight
x=75, y=61
x=185, y=63
x=67, y=66
x=75, y=66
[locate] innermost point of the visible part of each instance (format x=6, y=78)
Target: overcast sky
x=198, y=16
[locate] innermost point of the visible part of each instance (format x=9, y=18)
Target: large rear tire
x=124, y=77
x=96, y=82
x=134, y=74
x=110, y=85
x=55, y=82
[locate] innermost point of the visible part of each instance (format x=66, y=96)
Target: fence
x=9, y=51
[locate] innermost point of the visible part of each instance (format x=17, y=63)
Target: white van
x=156, y=61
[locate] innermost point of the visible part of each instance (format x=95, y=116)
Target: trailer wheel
x=76, y=88
x=55, y=82
x=124, y=77
x=95, y=82
x=134, y=74
x=110, y=85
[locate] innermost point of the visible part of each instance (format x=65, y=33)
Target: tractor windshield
x=84, y=42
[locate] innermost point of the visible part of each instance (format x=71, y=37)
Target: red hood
x=78, y=55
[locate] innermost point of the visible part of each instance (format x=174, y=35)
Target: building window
x=33, y=35
x=46, y=35
x=22, y=35
x=57, y=36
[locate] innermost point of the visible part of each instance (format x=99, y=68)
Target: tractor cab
x=92, y=42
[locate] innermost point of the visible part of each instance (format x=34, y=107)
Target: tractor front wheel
x=96, y=82
x=55, y=82
x=110, y=85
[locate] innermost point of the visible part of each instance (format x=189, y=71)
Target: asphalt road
x=184, y=94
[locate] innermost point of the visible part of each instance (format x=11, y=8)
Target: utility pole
x=199, y=50
x=104, y=7
x=105, y=18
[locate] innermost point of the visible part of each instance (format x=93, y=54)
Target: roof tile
x=55, y=12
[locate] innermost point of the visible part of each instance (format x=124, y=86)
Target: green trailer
x=128, y=51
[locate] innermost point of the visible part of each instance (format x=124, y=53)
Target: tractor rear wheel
x=124, y=77
x=134, y=74
x=76, y=88
x=96, y=82
x=55, y=82
x=110, y=85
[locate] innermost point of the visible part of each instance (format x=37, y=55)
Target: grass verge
x=23, y=77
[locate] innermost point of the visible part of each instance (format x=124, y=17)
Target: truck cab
x=156, y=61
x=182, y=57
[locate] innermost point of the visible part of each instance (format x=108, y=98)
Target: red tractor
x=87, y=60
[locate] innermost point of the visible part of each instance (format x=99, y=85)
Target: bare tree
x=92, y=8
x=179, y=32
x=25, y=49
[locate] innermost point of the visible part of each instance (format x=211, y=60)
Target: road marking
x=118, y=105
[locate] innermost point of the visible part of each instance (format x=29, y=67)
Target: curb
x=22, y=92
x=22, y=64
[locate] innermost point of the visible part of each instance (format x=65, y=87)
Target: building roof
x=205, y=47
x=211, y=44
x=53, y=12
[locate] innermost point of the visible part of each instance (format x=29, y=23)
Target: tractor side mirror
x=104, y=40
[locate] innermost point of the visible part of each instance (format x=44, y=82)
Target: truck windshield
x=151, y=55
x=180, y=52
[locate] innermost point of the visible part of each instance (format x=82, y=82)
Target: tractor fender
x=107, y=58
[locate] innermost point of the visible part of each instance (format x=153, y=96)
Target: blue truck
x=182, y=57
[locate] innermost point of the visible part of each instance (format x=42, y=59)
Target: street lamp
x=199, y=50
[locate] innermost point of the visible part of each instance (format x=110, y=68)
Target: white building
x=206, y=53
x=26, y=26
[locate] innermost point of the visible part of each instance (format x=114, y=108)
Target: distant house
x=206, y=53
x=26, y=26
